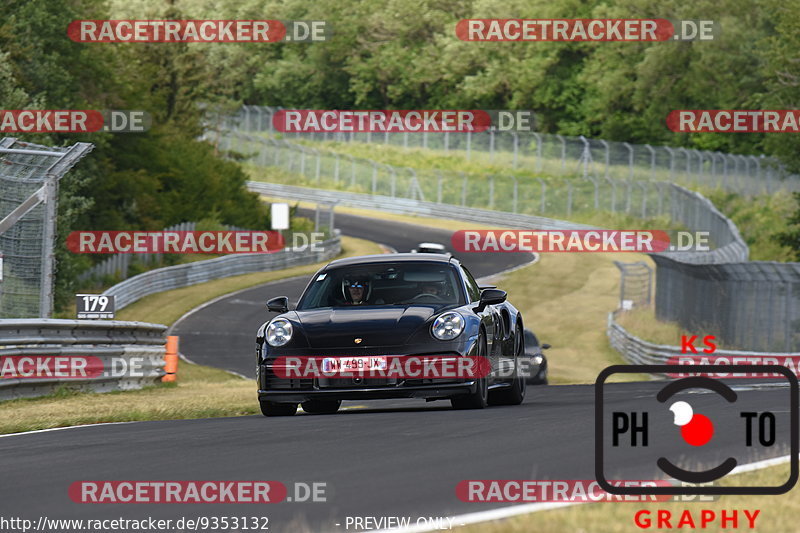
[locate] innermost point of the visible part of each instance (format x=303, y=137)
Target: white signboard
x=280, y=216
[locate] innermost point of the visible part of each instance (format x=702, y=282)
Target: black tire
x=321, y=407
x=515, y=394
x=277, y=409
x=480, y=398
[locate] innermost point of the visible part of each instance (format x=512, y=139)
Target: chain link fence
x=559, y=155
x=751, y=306
x=636, y=284
x=320, y=168
x=29, y=175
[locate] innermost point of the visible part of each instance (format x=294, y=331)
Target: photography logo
x=695, y=430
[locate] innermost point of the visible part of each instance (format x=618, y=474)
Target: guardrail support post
x=538, y=151
x=516, y=148
x=563, y=153
x=630, y=160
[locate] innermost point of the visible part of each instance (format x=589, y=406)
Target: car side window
x=472, y=286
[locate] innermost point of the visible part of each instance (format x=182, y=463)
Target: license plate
x=354, y=364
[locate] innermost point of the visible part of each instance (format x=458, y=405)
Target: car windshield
x=406, y=283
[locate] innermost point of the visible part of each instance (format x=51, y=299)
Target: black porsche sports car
x=359, y=316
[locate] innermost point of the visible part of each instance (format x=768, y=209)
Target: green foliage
x=791, y=237
x=762, y=222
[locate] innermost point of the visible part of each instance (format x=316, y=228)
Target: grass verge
x=642, y=323
x=777, y=513
x=200, y=391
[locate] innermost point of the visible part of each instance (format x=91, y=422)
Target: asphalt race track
x=400, y=459
x=391, y=458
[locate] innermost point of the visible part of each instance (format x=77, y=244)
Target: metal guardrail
x=178, y=276
x=409, y=206
x=131, y=354
x=640, y=352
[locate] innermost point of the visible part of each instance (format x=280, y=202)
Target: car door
x=489, y=318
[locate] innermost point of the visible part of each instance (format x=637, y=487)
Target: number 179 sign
x=94, y=306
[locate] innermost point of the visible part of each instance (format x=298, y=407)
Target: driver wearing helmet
x=432, y=288
x=356, y=290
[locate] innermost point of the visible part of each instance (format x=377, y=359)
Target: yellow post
x=171, y=359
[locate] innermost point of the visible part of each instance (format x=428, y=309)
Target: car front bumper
x=369, y=392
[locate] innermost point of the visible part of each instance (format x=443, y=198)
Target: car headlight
x=448, y=326
x=279, y=332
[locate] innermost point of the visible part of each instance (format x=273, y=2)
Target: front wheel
x=480, y=398
x=277, y=409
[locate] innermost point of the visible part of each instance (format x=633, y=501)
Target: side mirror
x=545, y=346
x=278, y=305
x=491, y=297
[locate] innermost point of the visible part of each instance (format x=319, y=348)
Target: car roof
x=392, y=258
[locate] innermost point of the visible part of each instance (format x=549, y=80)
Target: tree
x=791, y=237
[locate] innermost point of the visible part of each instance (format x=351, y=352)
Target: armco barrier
x=640, y=352
x=408, y=206
x=132, y=353
x=178, y=276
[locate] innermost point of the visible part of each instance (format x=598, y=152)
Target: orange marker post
x=171, y=359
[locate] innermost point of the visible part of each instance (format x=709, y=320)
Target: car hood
x=377, y=326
